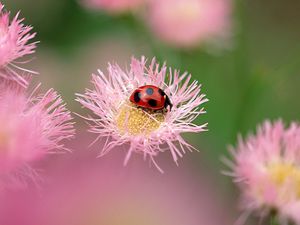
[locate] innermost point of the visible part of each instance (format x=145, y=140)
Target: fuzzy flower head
x=189, y=23
x=114, y=6
x=267, y=170
x=31, y=127
x=15, y=43
x=145, y=130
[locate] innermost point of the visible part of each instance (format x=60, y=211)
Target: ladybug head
x=150, y=97
x=168, y=102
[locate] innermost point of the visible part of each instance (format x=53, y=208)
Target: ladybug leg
x=171, y=106
x=168, y=103
x=164, y=111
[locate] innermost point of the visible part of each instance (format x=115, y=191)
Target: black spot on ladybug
x=152, y=102
x=149, y=91
x=137, y=96
x=161, y=92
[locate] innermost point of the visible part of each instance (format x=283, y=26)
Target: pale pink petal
x=112, y=90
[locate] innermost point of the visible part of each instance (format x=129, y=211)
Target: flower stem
x=273, y=220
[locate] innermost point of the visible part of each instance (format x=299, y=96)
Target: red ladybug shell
x=150, y=97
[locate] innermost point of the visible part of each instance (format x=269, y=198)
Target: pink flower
x=31, y=127
x=83, y=191
x=267, y=170
x=114, y=6
x=14, y=44
x=144, y=131
x=189, y=23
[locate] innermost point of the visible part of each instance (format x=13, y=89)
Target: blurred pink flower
x=83, y=191
x=31, y=127
x=114, y=6
x=14, y=44
x=121, y=123
x=267, y=170
x=189, y=23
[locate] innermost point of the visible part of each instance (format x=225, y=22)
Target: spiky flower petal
x=148, y=132
x=15, y=43
x=267, y=169
x=31, y=127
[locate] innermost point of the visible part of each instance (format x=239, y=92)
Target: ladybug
x=150, y=97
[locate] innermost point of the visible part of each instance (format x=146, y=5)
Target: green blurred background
x=257, y=79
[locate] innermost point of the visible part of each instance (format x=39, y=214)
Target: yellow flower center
x=132, y=120
x=282, y=173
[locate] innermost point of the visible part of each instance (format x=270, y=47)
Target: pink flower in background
x=114, y=6
x=267, y=170
x=82, y=191
x=189, y=23
x=149, y=132
x=15, y=43
x=31, y=127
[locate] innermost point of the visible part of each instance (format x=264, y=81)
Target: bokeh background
x=253, y=76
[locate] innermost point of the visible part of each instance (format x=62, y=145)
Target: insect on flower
x=146, y=109
x=151, y=97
